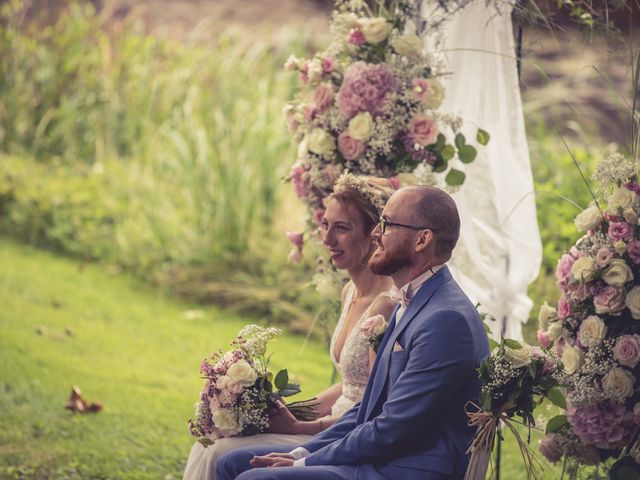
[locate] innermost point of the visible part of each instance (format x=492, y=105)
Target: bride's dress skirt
x=202, y=460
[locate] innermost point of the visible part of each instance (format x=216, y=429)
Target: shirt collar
x=405, y=294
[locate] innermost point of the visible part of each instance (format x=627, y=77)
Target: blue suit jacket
x=411, y=418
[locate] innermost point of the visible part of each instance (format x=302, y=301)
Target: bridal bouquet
x=516, y=378
x=369, y=105
x=596, y=328
x=239, y=389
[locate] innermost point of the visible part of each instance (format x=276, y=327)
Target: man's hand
x=272, y=460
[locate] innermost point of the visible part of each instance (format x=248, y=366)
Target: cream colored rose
x=292, y=63
x=374, y=326
x=588, y=219
x=633, y=302
x=621, y=199
x=407, y=45
x=223, y=382
x=630, y=216
x=620, y=247
x=406, y=179
x=571, y=359
x=555, y=330
x=225, y=420
x=518, y=357
x=303, y=148
x=321, y=142
x=243, y=373
x=314, y=71
x=617, y=384
x=584, y=269
x=361, y=126
x=375, y=30
x=592, y=331
x=618, y=273
x=546, y=314
x=436, y=97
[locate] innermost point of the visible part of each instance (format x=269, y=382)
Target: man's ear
x=424, y=240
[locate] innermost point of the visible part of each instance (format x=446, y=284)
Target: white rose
x=584, y=269
x=546, y=313
x=592, y=331
x=375, y=30
x=630, y=216
x=314, y=72
x=292, y=63
x=618, y=273
x=588, y=219
x=437, y=94
x=225, y=420
x=555, y=330
x=243, y=373
x=407, y=45
x=620, y=247
x=222, y=382
x=321, y=142
x=518, y=357
x=361, y=126
x=617, y=384
x=621, y=199
x=303, y=148
x=571, y=359
x=633, y=302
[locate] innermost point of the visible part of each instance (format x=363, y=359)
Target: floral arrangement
x=239, y=389
x=595, y=328
x=373, y=330
x=369, y=105
x=516, y=378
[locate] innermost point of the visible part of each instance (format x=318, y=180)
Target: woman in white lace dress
x=352, y=211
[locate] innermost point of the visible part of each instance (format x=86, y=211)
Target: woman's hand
x=281, y=420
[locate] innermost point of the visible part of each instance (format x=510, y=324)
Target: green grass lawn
x=129, y=347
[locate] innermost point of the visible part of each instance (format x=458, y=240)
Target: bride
x=352, y=212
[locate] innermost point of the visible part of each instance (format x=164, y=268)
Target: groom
x=411, y=422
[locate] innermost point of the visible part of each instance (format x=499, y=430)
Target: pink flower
x=423, y=129
x=544, y=340
x=627, y=350
x=328, y=65
x=603, y=257
x=296, y=238
x=349, y=147
x=332, y=173
x=550, y=448
x=234, y=387
x=620, y=231
x=421, y=88
x=365, y=88
x=395, y=183
x=318, y=215
x=633, y=249
x=323, y=97
x=300, y=181
x=356, y=37
x=563, y=270
x=609, y=300
x=373, y=326
x=304, y=72
x=560, y=346
x=605, y=425
x=636, y=414
x=633, y=186
x=564, y=308
x=295, y=255
x=578, y=291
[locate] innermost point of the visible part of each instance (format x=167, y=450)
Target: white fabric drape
x=499, y=252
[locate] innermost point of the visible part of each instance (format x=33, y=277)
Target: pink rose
x=356, y=37
x=328, y=65
x=633, y=249
x=300, y=181
x=332, y=173
x=234, y=387
x=373, y=326
x=560, y=346
x=550, y=448
x=578, y=291
x=423, y=129
x=304, y=72
x=563, y=270
x=609, y=300
x=318, y=215
x=564, y=308
x=627, y=350
x=421, y=88
x=620, y=231
x=603, y=257
x=309, y=112
x=296, y=238
x=323, y=97
x=395, y=183
x=225, y=398
x=349, y=147
x=543, y=339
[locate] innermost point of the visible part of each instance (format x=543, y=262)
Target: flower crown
x=377, y=195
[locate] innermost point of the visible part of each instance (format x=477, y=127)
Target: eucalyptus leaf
x=460, y=141
x=448, y=152
x=441, y=165
x=467, y=153
x=482, y=137
x=440, y=141
x=556, y=423
x=555, y=396
x=455, y=177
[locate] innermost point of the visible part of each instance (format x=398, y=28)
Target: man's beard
x=388, y=263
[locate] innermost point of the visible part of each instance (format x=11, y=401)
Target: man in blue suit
x=411, y=422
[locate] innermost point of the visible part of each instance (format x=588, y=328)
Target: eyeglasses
x=384, y=224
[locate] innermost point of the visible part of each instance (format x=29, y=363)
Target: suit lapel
x=415, y=306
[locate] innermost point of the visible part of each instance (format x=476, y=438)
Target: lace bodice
x=354, y=357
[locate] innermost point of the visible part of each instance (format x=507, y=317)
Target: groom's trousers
x=235, y=465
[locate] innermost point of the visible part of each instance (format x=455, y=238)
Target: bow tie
x=401, y=297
